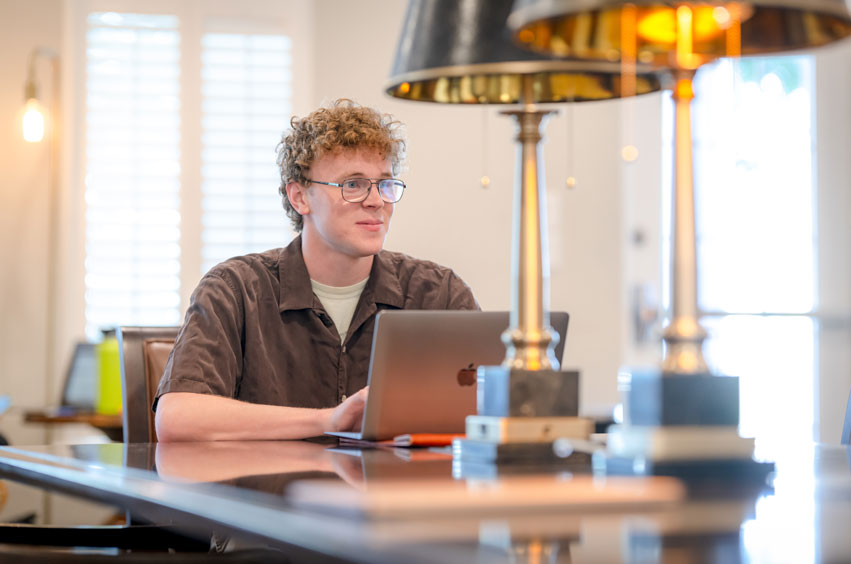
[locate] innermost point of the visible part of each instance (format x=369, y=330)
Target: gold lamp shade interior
x=599, y=29
x=503, y=84
x=461, y=52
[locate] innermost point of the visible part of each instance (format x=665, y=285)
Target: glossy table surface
x=298, y=493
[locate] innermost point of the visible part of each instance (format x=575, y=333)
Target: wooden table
x=252, y=489
x=111, y=425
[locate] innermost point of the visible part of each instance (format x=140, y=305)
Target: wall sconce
x=33, y=128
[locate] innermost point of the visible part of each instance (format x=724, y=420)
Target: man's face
x=344, y=228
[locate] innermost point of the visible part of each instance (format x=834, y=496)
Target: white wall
x=23, y=213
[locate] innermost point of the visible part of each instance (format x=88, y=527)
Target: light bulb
x=33, y=121
x=629, y=153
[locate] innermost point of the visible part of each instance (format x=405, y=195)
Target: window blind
x=246, y=97
x=132, y=184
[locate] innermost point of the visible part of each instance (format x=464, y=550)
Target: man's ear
x=297, y=195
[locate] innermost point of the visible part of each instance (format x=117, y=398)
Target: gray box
x=656, y=398
x=505, y=392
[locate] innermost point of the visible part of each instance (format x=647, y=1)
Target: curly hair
x=344, y=125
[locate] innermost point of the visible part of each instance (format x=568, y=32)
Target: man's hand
x=348, y=415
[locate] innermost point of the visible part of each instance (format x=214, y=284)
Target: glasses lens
x=391, y=190
x=355, y=189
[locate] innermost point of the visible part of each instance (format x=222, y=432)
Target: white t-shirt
x=339, y=303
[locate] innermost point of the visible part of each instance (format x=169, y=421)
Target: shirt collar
x=296, y=292
x=384, y=281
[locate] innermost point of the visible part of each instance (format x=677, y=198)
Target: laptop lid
x=422, y=372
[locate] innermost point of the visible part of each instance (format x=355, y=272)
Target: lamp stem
x=529, y=340
x=684, y=335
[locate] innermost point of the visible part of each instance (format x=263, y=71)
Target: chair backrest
x=846, y=427
x=143, y=352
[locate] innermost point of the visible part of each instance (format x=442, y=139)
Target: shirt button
x=344, y=398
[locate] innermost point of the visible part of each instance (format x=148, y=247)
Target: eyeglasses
x=357, y=190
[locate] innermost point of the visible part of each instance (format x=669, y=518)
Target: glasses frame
x=372, y=182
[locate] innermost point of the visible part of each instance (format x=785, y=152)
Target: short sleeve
x=207, y=355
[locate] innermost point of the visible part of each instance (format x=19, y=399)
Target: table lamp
x=460, y=52
x=680, y=414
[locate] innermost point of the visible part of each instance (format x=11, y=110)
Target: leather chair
x=143, y=352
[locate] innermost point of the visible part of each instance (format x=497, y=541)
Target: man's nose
x=373, y=198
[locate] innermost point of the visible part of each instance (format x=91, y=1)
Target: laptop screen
x=80, y=389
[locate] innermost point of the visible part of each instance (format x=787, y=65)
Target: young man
x=276, y=345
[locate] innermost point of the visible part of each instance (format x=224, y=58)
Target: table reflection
x=270, y=466
x=249, y=486
x=223, y=460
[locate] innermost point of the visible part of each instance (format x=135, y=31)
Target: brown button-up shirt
x=255, y=331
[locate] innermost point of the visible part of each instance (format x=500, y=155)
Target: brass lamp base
x=521, y=414
x=682, y=425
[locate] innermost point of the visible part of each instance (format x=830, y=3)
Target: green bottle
x=109, y=375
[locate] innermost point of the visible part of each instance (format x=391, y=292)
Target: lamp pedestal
x=525, y=404
x=521, y=413
x=681, y=420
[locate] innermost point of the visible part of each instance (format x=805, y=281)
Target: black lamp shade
x=461, y=52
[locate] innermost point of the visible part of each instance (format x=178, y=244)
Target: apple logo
x=467, y=376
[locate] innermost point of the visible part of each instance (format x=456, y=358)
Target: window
x=132, y=181
x=180, y=174
x=246, y=102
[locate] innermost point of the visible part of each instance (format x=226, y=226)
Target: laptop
x=422, y=372
x=79, y=394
